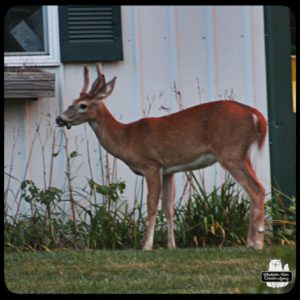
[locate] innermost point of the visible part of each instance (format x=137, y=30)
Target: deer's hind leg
x=242, y=171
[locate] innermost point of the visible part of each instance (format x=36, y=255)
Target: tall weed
x=218, y=218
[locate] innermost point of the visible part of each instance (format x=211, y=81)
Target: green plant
x=282, y=218
x=216, y=218
x=40, y=229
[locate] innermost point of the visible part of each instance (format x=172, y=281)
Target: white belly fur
x=201, y=162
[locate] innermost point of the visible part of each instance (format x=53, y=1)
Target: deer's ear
x=106, y=90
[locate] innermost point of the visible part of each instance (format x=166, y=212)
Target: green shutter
x=90, y=33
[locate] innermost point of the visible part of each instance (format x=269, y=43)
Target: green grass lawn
x=204, y=270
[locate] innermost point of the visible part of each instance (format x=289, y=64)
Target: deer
x=158, y=147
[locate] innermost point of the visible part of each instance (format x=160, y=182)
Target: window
x=25, y=31
x=42, y=35
x=29, y=35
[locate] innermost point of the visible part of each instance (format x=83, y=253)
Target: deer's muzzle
x=60, y=122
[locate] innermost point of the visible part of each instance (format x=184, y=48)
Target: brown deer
x=193, y=138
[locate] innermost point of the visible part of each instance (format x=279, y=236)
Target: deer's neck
x=110, y=132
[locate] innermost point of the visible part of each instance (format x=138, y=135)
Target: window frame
x=51, y=59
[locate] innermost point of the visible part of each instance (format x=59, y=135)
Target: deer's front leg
x=168, y=203
x=153, y=181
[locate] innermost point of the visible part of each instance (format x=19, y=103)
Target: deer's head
x=84, y=108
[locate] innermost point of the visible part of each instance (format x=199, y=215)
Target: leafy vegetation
x=282, y=217
x=219, y=218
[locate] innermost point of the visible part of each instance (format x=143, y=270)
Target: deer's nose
x=60, y=121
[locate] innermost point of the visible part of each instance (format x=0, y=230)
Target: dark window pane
x=24, y=30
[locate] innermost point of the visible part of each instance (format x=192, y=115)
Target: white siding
x=210, y=52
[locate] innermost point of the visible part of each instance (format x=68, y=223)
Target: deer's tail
x=261, y=127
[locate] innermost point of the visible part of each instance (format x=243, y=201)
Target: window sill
x=39, y=60
x=28, y=83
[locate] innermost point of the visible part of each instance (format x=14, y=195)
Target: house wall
x=209, y=52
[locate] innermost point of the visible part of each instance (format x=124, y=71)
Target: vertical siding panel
x=14, y=133
x=192, y=37
x=248, y=60
x=253, y=57
x=230, y=54
x=28, y=137
x=134, y=58
x=211, y=172
x=174, y=76
x=140, y=55
x=216, y=48
x=172, y=55
x=262, y=160
x=153, y=49
x=210, y=52
x=225, y=24
x=172, y=51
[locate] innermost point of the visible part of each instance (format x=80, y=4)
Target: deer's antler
x=86, y=81
x=98, y=84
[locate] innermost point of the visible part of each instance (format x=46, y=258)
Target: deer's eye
x=82, y=106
